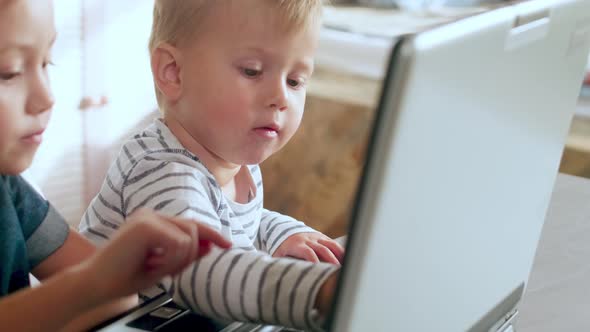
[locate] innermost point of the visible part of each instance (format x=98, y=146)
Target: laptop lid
x=460, y=169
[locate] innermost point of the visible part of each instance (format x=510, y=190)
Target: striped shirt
x=155, y=171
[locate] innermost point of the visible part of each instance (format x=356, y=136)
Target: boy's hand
x=313, y=247
x=147, y=248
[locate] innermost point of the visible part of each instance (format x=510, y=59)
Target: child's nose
x=40, y=98
x=279, y=97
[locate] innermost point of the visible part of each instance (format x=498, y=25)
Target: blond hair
x=176, y=22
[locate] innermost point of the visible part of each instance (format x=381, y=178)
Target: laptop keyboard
x=191, y=322
x=172, y=318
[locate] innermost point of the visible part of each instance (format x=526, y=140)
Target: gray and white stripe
x=153, y=170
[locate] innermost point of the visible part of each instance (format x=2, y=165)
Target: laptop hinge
x=505, y=324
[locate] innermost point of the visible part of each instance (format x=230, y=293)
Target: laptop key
x=147, y=322
x=269, y=328
x=247, y=327
x=191, y=322
x=165, y=312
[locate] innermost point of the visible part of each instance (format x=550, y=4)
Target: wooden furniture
x=576, y=157
x=314, y=178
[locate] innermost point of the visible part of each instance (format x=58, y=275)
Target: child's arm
x=50, y=306
x=237, y=285
x=141, y=254
x=276, y=228
x=51, y=246
x=101, y=314
x=283, y=236
x=75, y=250
x=233, y=285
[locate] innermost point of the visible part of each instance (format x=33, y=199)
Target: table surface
x=558, y=293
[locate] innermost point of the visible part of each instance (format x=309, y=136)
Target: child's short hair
x=176, y=22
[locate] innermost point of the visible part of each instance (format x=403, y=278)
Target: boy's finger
x=204, y=247
x=208, y=233
x=335, y=247
x=190, y=228
x=172, y=243
x=307, y=254
x=205, y=232
x=177, y=240
x=324, y=254
x=154, y=263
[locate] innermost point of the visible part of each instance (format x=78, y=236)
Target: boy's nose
x=41, y=98
x=279, y=97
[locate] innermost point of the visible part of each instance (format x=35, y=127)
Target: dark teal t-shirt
x=30, y=231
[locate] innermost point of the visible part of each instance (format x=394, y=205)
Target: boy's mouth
x=34, y=138
x=269, y=131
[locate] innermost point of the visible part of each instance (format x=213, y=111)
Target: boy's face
x=27, y=33
x=244, y=82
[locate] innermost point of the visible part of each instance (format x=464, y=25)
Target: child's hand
x=148, y=248
x=313, y=247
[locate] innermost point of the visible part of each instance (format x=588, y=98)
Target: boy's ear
x=166, y=70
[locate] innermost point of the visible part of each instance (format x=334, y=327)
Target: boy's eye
x=48, y=63
x=293, y=83
x=251, y=72
x=8, y=76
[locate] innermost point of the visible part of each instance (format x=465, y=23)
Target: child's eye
x=251, y=72
x=294, y=83
x=48, y=63
x=8, y=76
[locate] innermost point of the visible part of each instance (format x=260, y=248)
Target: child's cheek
x=4, y=129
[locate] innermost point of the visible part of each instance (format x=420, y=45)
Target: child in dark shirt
x=80, y=284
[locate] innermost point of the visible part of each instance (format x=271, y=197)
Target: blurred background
x=104, y=92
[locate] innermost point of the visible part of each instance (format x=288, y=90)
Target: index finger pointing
x=208, y=233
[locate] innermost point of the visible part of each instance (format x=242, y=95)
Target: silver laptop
x=460, y=169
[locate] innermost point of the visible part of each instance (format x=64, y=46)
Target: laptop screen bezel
x=394, y=72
